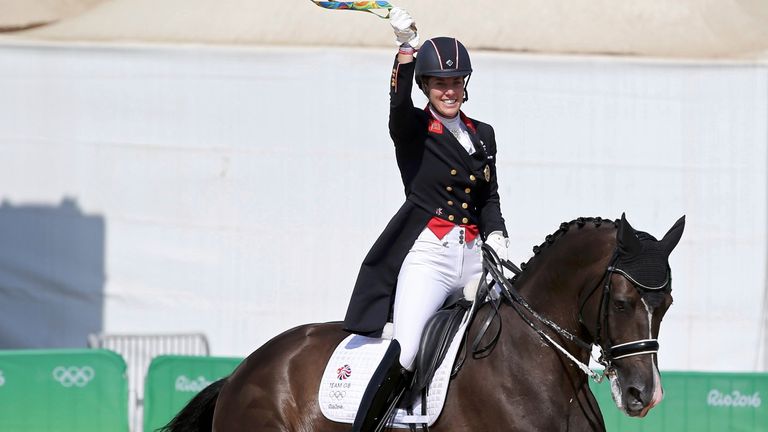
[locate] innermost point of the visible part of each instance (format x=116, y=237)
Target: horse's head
x=636, y=294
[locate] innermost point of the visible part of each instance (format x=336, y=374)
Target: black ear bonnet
x=642, y=258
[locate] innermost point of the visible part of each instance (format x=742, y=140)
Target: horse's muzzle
x=639, y=398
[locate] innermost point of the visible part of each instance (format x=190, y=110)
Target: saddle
x=436, y=339
x=355, y=359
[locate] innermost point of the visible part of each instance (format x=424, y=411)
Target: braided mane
x=560, y=232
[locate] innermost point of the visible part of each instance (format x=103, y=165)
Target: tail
x=197, y=416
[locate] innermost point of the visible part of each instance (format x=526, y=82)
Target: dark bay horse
x=593, y=281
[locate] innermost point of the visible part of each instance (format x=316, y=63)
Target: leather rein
x=493, y=266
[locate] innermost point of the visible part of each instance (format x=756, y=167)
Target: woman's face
x=446, y=94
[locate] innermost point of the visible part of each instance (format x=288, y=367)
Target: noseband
x=627, y=349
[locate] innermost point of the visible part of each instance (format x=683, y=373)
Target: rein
x=493, y=267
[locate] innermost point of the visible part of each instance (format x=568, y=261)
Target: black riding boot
x=387, y=386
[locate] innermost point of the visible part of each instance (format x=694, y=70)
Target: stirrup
x=387, y=386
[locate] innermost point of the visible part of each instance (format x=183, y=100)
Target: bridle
x=493, y=266
x=626, y=349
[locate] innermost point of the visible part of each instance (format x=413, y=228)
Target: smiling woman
x=445, y=94
x=430, y=250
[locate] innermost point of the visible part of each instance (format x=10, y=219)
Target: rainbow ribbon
x=365, y=6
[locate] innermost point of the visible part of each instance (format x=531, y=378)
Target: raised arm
x=401, y=83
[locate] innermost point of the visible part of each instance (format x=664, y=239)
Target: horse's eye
x=620, y=305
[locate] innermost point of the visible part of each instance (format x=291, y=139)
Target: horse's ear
x=629, y=244
x=672, y=237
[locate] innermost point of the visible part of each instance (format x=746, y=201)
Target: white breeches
x=432, y=270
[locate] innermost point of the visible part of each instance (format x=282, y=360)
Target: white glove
x=404, y=26
x=499, y=244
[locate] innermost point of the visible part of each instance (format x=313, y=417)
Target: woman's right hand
x=404, y=26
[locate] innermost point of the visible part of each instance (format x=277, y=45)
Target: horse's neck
x=564, y=270
x=521, y=363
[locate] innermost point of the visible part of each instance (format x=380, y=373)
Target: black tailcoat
x=441, y=179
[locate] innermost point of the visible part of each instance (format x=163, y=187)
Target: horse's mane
x=564, y=228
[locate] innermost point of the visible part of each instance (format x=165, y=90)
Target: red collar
x=437, y=127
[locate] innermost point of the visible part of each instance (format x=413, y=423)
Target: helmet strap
x=466, y=83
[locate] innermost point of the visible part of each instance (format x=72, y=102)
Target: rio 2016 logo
x=184, y=384
x=733, y=399
x=73, y=375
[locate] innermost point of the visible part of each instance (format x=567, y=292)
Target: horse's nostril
x=635, y=398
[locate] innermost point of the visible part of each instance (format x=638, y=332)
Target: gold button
x=450, y=217
x=454, y=172
x=472, y=177
x=467, y=190
x=450, y=202
x=464, y=205
x=449, y=189
x=464, y=220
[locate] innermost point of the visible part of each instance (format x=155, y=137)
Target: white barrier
x=241, y=188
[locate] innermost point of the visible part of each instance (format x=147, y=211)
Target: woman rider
x=431, y=247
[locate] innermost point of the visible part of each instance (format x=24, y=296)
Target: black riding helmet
x=443, y=57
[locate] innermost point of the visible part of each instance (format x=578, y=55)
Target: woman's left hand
x=499, y=244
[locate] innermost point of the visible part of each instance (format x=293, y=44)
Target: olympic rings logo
x=337, y=394
x=73, y=375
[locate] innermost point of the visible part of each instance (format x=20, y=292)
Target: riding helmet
x=443, y=57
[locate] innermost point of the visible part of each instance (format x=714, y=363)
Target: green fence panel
x=63, y=391
x=173, y=380
x=701, y=402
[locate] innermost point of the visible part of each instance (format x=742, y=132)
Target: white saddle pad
x=353, y=363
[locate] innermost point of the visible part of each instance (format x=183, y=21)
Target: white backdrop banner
x=236, y=191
